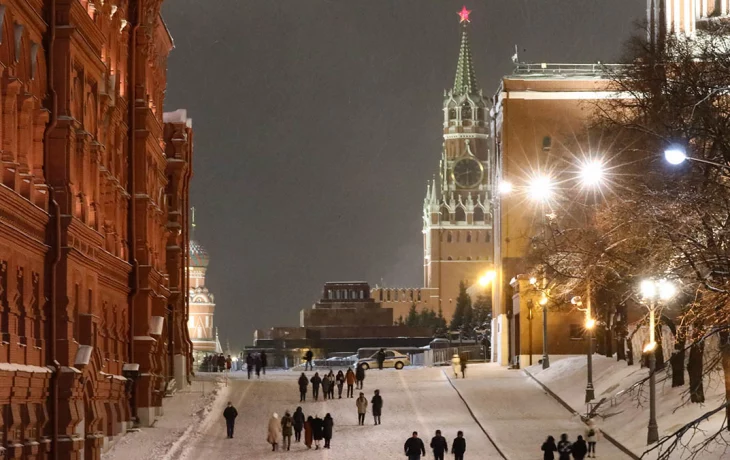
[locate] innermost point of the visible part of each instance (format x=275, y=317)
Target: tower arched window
x=457, y=236
x=452, y=114
x=460, y=214
x=448, y=237
x=466, y=111
x=468, y=237
x=478, y=214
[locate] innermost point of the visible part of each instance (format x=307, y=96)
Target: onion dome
x=198, y=255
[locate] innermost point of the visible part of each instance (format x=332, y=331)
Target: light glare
x=505, y=187
x=648, y=289
x=592, y=173
x=649, y=347
x=666, y=290
x=540, y=188
x=675, y=156
x=487, y=278
x=590, y=323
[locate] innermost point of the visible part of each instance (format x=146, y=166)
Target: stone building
x=93, y=213
x=457, y=209
x=201, y=304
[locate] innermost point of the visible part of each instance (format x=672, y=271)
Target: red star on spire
x=464, y=15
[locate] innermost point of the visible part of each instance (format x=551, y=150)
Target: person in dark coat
x=308, y=432
x=580, y=449
x=333, y=382
x=326, y=387
x=308, y=360
x=458, y=447
x=221, y=362
x=316, y=382
x=439, y=446
x=462, y=361
x=264, y=362
x=230, y=413
x=249, y=365
x=380, y=356
x=377, y=406
x=327, y=425
x=303, y=383
x=360, y=376
x=564, y=447
x=257, y=365
x=340, y=379
x=548, y=447
x=414, y=447
x=350, y=379
x=298, y=418
x=287, y=427
x=317, y=430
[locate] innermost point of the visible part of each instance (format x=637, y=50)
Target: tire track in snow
x=476, y=420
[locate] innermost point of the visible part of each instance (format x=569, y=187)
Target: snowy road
x=414, y=399
x=515, y=412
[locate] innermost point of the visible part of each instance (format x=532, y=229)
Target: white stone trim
x=466, y=136
x=564, y=95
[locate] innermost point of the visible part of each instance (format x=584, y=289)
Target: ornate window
x=466, y=111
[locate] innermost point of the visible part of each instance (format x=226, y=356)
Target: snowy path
x=414, y=399
x=518, y=414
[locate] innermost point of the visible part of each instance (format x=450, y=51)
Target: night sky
x=318, y=122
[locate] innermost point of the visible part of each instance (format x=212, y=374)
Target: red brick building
x=93, y=224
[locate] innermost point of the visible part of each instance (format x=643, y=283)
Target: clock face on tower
x=467, y=173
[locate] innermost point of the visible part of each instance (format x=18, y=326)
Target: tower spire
x=466, y=79
x=192, y=220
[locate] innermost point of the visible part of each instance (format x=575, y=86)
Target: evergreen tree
x=463, y=308
x=412, y=320
x=441, y=327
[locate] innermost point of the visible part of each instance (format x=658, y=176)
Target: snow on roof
x=178, y=116
x=11, y=367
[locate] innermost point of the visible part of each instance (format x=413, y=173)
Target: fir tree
x=463, y=308
x=441, y=327
x=412, y=320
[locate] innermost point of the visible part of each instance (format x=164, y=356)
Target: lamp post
x=653, y=291
x=589, y=325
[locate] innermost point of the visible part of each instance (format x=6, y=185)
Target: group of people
x=580, y=449
x=362, y=407
x=414, y=446
x=329, y=382
x=216, y=363
x=256, y=362
x=315, y=430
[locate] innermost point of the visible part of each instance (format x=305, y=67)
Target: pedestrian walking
x=221, y=362
x=456, y=365
x=308, y=432
x=229, y=363
x=274, y=431
x=592, y=434
x=380, y=356
x=308, y=360
x=340, y=379
x=287, y=428
x=303, y=383
x=463, y=358
x=326, y=387
x=439, y=446
x=548, y=447
x=327, y=425
x=249, y=365
x=257, y=365
x=564, y=447
x=317, y=431
x=360, y=376
x=580, y=449
x=264, y=362
x=377, y=405
x=316, y=382
x=331, y=378
x=298, y=424
x=458, y=447
x=414, y=447
x=230, y=413
x=362, y=408
x=350, y=379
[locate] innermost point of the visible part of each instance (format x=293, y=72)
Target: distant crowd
x=578, y=450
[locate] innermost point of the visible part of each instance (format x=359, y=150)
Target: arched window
x=449, y=258
x=466, y=111
x=452, y=114
x=457, y=236
x=478, y=214
x=448, y=237
x=468, y=237
x=547, y=143
x=460, y=215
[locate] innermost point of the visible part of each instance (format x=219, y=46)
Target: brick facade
x=92, y=205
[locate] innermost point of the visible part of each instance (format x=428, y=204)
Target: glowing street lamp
x=540, y=188
x=505, y=188
x=652, y=292
x=675, y=155
x=543, y=303
x=488, y=277
x=592, y=173
x=590, y=324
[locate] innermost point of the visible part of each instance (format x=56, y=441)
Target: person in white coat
x=456, y=365
x=274, y=432
x=592, y=435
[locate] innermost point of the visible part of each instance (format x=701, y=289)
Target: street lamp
x=677, y=156
x=540, y=188
x=589, y=325
x=592, y=173
x=652, y=292
x=505, y=188
x=543, y=303
x=487, y=278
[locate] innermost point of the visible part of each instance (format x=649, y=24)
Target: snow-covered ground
x=626, y=417
x=185, y=415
